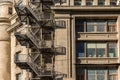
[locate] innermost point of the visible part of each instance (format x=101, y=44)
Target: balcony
x=96, y=36
x=109, y=61
x=25, y=35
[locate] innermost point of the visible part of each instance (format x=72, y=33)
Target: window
x=90, y=26
x=90, y=49
x=80, y=73
x=89, y=2
x=79, y=25
x=101, y=74
x=111, y=25
x=112, y=49
x=100, y=25
x=18, y=56
x=9, y=10
x=101, y=2
x=96, y=49
x=18, y=76
x=113, y=2
x=100, y=49
x=93, y=25
x=96, y=74
x=61, y=24
x=80, y=49
x=60, y=1
x=113, y=74
x=77, y=2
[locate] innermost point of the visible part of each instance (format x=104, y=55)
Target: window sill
x=97, y=57
x=97, y=32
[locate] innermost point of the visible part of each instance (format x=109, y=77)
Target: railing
x=38, y=15
x=17, y=2
x=28, y=32
x=25, y=58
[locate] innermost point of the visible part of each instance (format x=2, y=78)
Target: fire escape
x=37, y=33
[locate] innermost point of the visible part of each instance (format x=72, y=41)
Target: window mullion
x=95, y=49
x=85, y=49
x=106, y=49
x=85, y=26
x=106, y=26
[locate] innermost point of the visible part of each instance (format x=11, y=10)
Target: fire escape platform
x=21, y=62
x=24, y=39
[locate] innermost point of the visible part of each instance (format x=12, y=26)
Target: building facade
x=60, y=40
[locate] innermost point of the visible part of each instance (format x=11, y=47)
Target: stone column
x=5, y=13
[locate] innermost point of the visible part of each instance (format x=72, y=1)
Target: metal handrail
x=18, y=2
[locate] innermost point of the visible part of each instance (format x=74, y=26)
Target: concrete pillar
x=118, y=30
x=83, y=2
x=73, y=50
x=5, y=6
x=95, y=2
x=107, y=2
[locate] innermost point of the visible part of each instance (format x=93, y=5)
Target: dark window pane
x=80, y=73
x=9, y=10
x=79, y=25
x=89, y=2
x=113, y=2
x=77, y=2
x=80, y=49
x=101, y=2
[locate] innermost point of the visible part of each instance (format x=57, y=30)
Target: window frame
x=106, y=48
x=108, y=25
x=95, y=69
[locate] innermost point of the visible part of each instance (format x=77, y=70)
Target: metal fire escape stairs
x=34, y=35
